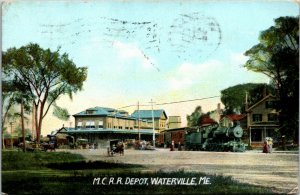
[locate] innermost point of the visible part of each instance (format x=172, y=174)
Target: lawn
x=66, y=173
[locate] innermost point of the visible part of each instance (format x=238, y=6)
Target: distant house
x=217, y=113
x=205, y=120
x=174, y=122
x=62, y=136
x=229, y=120
x=262, y=120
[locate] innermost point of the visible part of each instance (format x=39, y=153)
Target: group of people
x=172, y=146
x=268, y=143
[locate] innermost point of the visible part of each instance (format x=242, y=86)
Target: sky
x=136, y=51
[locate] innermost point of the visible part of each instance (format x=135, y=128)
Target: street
x=278, y=171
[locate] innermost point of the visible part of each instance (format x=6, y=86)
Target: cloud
x=127, y=51
x=131, y=53
x=238, y=58
x=188, y=74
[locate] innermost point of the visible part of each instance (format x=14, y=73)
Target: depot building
x=100, y=124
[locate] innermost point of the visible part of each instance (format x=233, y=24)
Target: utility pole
x=139, y=126
x=246, y=101
x=153, y=128
x=22, y=124
x=11, y=132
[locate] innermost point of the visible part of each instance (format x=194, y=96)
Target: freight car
x=165, y=138
x=216, y=138
x=177, y=135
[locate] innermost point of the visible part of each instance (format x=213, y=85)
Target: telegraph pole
x=153, y=128
x=138, y=107
x=11, y=138
x=22, y=124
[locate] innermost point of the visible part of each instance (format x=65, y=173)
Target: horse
x=119, y=149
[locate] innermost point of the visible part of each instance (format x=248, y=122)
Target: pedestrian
x=265, y=147
x=172, y=146
x=270, y=144
x=179, y=146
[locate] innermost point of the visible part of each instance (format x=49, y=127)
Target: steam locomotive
x=208, y=138
x=216, y=138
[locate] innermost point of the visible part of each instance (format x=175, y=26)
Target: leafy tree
x=61, y=113
x=234, y=98
x=193, y=119
x=277, y=56
x=14, y=93
x=45, y=75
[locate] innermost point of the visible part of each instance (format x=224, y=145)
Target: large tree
x=234, y=97
x=45, y=75
x=13, y=94
x=193, y=119
x=277, y=56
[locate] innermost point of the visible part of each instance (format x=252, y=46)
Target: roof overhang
x=113, y=131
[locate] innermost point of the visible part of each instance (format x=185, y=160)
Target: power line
x=186, y=100
x=176, y=102
x=126, y=106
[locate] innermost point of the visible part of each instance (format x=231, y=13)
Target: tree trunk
x=3, y=144
x=40, y=120
x=23, y=128
x=36, y=124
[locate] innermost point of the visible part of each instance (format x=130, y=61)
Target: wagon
x=114, y=146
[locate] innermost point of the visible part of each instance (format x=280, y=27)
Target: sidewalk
x=275, y=151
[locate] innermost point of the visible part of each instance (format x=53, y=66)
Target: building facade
x=262, y=120
x=174, y=122
x=160, y=118
x=99, y=124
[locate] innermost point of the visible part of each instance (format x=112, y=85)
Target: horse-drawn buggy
x=115, y=146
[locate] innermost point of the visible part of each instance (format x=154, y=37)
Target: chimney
x=219, y=108
x=265, y=92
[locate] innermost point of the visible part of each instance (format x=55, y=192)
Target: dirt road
x=278, y=171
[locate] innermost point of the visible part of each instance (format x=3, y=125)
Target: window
x=257, y=117
x=79, y=125
x=90, y=124
x=270, y=132
x=271, y=104
x=272, y=117
x=100, y=125
x=120, y=127
x=90, y=112
x=256, y=135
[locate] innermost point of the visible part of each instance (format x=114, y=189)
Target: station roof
x=147, y=114
x=103, y=111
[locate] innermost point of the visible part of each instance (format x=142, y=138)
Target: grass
x=65, y=173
